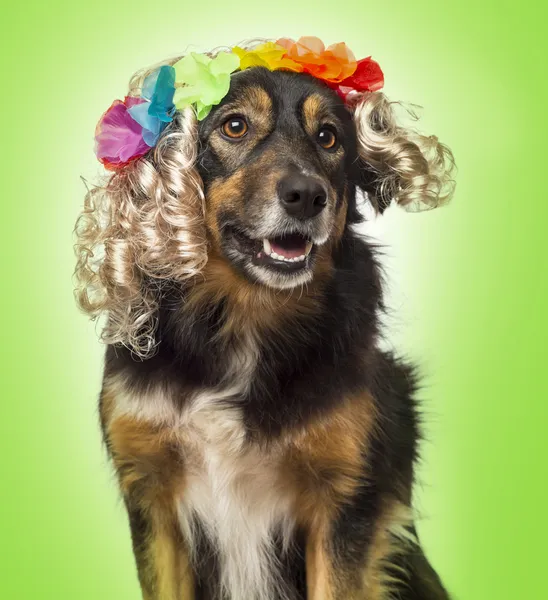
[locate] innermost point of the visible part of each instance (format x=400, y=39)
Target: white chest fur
x=234, y=490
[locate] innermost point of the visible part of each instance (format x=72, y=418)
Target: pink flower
x=118, y=137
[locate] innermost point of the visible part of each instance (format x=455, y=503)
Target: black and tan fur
x=280, y=394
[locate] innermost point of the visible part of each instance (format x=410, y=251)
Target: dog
x=263, y=443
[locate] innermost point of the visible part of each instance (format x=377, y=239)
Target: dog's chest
x=234, y=494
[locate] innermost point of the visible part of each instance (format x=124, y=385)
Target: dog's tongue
x=289, y=246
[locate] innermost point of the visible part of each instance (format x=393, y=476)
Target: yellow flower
x=269, y=55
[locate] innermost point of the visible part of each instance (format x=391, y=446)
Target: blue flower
x=154, y=114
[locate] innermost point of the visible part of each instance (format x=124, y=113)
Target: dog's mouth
x=288, y=253
x=292, y=249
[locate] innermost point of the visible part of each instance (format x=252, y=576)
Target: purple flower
x=119, y=138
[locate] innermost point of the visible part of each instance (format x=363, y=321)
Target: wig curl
x=413, y=169
x=144, y=226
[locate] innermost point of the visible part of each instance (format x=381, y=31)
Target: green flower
x=203, y=81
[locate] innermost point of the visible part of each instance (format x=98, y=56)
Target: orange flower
x=332, y=64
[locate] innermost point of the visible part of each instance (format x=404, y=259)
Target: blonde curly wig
x=413, y=169
x=146, y=225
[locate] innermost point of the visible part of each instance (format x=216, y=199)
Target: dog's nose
x=302, y=196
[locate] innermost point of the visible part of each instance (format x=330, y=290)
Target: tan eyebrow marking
x=254, y=99
x=259, y=99
x=314, y=111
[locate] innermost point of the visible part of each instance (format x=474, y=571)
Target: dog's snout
x=302, y=196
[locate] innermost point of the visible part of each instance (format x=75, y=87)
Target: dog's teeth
x=269, y=252
x=308, y=248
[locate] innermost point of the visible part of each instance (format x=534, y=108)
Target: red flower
x=368, y=77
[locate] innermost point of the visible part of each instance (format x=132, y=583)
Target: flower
x=118, y=137
x=158, y=108
x=269, y=55
x=332, y=64
x=368, y=77
x=203, y=81
x=129, y=128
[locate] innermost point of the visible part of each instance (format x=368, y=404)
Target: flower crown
x=130, y=128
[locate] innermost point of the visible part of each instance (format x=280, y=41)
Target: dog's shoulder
x=394, y=387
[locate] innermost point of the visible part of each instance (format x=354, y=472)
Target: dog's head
x=278, y=163
x=266, y=183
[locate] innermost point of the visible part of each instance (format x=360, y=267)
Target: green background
x=468, y=281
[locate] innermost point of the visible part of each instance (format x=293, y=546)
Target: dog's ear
x=143, y=227
x=398, y=163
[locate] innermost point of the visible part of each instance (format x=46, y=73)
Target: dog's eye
x=326, y=138
x=234, y=128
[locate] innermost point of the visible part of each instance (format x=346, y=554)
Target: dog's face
x=276, y=157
